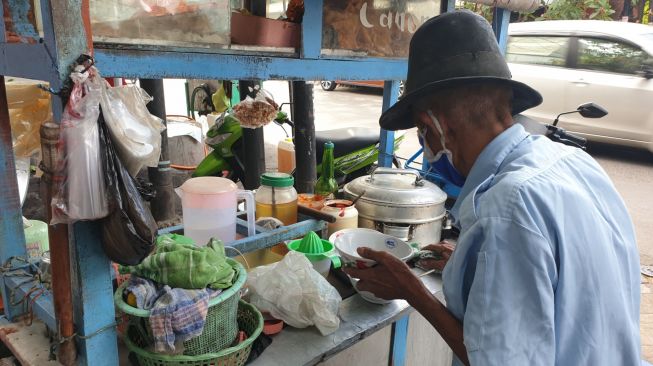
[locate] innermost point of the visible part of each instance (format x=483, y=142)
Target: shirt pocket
x=477, y=302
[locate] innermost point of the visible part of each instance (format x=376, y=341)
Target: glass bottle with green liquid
x=326, y=184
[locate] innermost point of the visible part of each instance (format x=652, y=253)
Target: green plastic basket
x=250, y=321
x=220, y=328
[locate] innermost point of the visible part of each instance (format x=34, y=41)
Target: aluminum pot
x=400, y=203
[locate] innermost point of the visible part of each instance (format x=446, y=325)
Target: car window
x=541, y=50
x=611, y=56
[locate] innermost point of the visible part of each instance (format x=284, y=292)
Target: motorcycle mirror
x=591, y=110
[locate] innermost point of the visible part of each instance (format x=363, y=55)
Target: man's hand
x=443, y=249
x=389, y=279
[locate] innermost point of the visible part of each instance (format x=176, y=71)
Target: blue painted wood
x=386, y=146
x=273, y=237
x=500, y=22
x=451, y=5
x=42, y=307
x=158, y=64
x=26, y=61
x=93, y=297
x=3, y=35
x=399, y=341
x=241, y=228
x=18, y=11
x=312, y=29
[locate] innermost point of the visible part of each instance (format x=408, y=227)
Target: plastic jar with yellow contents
x=276, y=197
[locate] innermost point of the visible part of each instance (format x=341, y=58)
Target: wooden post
x=59, y=249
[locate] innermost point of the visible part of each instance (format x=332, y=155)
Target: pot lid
x=401, y=187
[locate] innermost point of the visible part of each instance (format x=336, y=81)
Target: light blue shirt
x=546, y=269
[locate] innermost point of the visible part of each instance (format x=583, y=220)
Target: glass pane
x=381, y=28
x=550, y=51
x=604, y=55
x=189, y=23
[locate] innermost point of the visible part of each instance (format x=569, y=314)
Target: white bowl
x=348, y=241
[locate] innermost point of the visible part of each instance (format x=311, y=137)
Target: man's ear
x=424, y=118
x=447, y=123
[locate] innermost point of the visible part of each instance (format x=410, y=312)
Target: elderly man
x=546, y=268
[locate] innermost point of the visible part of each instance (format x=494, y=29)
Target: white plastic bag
x=80, y=192
x=291, y=290
x=135, y=132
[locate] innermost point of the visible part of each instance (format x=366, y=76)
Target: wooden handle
x=316, y=214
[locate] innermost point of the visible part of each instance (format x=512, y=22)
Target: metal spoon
x=426, y=273
x=357, y=198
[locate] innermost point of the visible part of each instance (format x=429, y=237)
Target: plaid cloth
x=176, y=315
x=183, y=265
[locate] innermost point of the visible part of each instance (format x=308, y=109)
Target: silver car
x=578, y=61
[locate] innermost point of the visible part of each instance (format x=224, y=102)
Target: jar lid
x=277, y=180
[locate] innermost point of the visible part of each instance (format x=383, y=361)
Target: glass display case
x=373, y=28
x=185, y=23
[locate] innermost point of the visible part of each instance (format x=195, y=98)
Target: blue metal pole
x=500, y=22
x=399, y=341
x=387, y=143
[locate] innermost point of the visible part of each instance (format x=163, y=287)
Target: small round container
x=345, y=213
x=311, y=201
x=276, y=197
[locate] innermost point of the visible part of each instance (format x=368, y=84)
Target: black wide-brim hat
x=453, y=49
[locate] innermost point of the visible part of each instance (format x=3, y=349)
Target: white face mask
x=428, y=153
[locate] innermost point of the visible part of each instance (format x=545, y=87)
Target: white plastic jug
x=209, y=207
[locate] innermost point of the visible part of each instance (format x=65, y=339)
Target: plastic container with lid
x=345, y=213
x=286, y=156
x=276, y=197
x=209, y=207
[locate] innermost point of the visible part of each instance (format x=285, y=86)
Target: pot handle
x=382, y=170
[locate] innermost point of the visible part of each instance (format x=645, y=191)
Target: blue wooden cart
x=47, y=57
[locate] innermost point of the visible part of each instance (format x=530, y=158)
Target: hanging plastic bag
x=79, y=189
x=129, y=232
x=29, y=108
x=135, y=132
x=291, y=290
x=258, y=111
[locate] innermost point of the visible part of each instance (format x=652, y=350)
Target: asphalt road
x=630, y=169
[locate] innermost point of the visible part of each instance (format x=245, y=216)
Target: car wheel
x=328, y=85
x=401, y=88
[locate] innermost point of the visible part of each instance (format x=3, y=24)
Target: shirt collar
x=488, y=162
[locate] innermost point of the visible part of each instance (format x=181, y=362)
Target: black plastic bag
x=129, y=232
